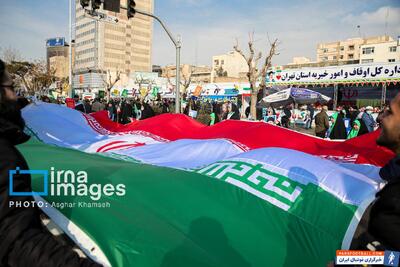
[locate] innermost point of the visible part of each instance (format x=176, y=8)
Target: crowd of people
x=123, y=110
x=347, y=122
x=343, y=123
x=217, y=111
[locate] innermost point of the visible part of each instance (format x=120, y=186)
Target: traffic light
x=131, y=8
x=96, y=4
x=85, y=3
x=112, y=5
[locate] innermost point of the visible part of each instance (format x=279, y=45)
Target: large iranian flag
x=234, y=194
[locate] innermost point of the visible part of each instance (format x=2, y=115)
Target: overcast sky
x=210, y=27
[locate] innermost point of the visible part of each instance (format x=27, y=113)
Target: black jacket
x=24, y=241
x=384, y=222
x=147, y=112
x=126, y=113
x=339, y=130
x=80, y=107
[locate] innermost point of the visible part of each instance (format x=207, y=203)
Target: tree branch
x=237, y=49
x=268, y=60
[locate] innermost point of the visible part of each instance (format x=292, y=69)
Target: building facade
x=347, y=50
x=228, y=65
x=119, y=45
x=57, y=58
x=380, y=52
x=199, y=74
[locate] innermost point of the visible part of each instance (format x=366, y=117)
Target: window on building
x=369, y=60
x=341, y=56
x=334, y=57
x=324, y=50
x=341, y=48
x=222, y=62
x=368, y=50
x=216, y=62
x=351, y=47
x=391, y=60
x=350, y=56
x=324, y=58
x=392, y=49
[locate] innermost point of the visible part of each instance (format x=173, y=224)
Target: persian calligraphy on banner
x=359, y=72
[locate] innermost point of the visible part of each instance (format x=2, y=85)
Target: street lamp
x=70, y=51
x=177, y=44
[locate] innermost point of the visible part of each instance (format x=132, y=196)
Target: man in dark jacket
x=368, y=119
x=286, y=116
x=78, y=104
x=321, y=122
x=165, y=106
x=24, y=241
x=88, y=106
x=147, y=111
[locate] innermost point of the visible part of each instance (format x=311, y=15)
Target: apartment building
x=199, y=74
x=230, y=65
x=380, y=52
x=346, y=50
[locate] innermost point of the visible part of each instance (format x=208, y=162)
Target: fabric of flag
x=234, y=194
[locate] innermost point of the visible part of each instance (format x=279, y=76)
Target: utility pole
x=177, y=43
x=70, y=51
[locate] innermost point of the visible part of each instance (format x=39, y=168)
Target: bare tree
x=169, y=82
x=110, y=82
x=187, y=79
x=10, y=54
x=254, y=73
x=35, y=77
